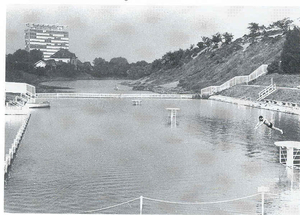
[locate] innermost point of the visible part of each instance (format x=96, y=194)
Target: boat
x=45, y=104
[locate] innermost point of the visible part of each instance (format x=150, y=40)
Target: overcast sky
x=137, y=32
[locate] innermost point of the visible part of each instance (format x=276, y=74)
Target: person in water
x=267, y=123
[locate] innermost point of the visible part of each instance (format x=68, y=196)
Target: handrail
x=267, y=91
x=236, y=80
x=268, y=88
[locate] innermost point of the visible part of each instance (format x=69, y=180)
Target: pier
x=12, y=151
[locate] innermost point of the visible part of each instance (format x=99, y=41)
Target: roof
x=40, y=61
x=63, y=53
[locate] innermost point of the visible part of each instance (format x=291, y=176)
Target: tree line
x=22, y=62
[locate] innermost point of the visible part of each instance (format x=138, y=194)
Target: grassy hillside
x=215, y=66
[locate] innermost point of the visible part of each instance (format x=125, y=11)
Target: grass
x=281, y=80
x=250, y=92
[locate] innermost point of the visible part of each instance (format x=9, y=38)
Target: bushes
x=290, y=55
x=274, y=67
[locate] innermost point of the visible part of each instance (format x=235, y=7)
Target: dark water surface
x=87, y=154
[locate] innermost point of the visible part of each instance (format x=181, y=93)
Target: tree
x=21, y=56
x=254, y=29
x=100, y=67
x=274, y=67
x=138, y=70
x=10, y=62
x=227, y=37
x=283, y=24
x=66, y=70
x=35, y=55
x=156, y=64
x=216, y=39
x=118, y=66
x=290, y=56
x=201, y=45
x=21, y=60
x=98, y=61
x=173, y=59
x=207, y=41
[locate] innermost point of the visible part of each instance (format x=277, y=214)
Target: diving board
x=289, y=153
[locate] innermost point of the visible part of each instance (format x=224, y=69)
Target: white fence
x=11, y=152
x=23, y=88
x=109, y=95
x=267, y=91
x=235, y=80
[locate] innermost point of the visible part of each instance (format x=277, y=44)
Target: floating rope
x=201, y=203
x=123, y=203
x=181, y=203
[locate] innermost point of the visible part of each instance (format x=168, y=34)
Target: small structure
x=64, y=55
x=40, y=64
x=289, y=153
x=22, y=88
x=173, y=112
x=136, y=102
x=16, y=106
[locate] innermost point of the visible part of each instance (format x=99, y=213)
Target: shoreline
x=256, y=104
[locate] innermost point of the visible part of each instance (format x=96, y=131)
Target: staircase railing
x=266, y=92
x=235, y=81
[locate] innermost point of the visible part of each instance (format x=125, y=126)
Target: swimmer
x=267, y=123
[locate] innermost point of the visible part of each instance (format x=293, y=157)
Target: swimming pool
x=86, y=154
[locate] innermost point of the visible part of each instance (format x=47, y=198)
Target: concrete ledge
x=256, y=104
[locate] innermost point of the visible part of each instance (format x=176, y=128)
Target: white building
x=47, y=38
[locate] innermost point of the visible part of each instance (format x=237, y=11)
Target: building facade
x=47, y=38
x=65, y=56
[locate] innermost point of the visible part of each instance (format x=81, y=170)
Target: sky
x=138, y=30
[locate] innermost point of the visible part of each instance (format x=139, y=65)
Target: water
x=93, y=86
x=87, y=154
